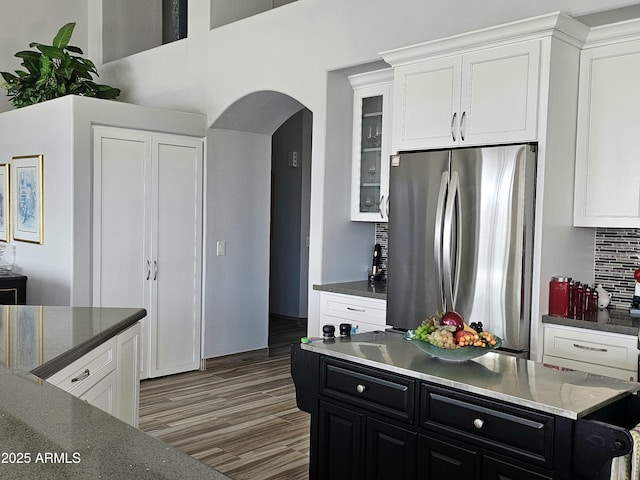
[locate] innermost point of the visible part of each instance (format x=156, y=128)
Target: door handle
x=453, y=126
x=155, y=270
x=449, y=251
x=82, y=376
x=463, y=125
x=591, y=349
x=437, y=244
x=148, y=269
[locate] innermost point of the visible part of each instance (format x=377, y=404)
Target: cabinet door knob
x=478, y=423
x=360, y=388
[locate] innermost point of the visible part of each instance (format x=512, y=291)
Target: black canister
x=345, y=329
x=328, y=331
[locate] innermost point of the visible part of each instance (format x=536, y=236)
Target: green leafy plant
x=54, y=71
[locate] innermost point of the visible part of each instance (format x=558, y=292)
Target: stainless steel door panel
x=493, y=200
x=413, y=289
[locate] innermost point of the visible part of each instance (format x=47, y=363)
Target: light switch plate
x=221, y=248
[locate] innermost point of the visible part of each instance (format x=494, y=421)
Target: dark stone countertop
x=360, y=288
x=48, y=433
x=610, y=320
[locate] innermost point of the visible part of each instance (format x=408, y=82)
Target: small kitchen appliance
x=375, y=272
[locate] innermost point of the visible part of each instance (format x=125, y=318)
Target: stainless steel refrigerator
x=460, y=238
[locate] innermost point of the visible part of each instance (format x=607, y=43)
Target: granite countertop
x=502, y=377
x=360, y=288
x=48, y=433
x=44, y=339
x=611, y=320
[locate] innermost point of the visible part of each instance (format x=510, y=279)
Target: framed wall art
x=27, y=199
x=4, y=202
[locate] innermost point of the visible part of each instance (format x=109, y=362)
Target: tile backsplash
x=381, y=238
x=617, y=256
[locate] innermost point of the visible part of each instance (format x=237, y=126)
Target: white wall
x=44, y=129
x=58, y=271
x=26, y=21
x=131, y=27
x=237, y=212
x=290, y=50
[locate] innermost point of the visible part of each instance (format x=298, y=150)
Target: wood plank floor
x=239, y=416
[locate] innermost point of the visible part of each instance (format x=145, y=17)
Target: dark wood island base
x=370, y=422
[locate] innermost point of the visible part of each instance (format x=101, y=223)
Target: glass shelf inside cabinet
x=370, y=153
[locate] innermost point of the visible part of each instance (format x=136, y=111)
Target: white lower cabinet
x=363, y=313
x=603, y=353
x=107, y=377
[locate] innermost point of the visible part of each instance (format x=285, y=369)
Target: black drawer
x=375, y=390
x=515, y=431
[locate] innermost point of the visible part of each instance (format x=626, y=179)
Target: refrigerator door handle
x=437, y=244
x=452, y=209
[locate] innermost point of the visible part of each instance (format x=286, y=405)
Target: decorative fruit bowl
x=460, y=354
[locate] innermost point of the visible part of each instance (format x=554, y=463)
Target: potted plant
x=54, y=71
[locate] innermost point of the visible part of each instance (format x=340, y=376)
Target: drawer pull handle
x=361, y=388
x=82, y=376
x=356, y=309
x=593, y=349
x=478, y=423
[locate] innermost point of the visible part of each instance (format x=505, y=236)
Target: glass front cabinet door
x=371, y=145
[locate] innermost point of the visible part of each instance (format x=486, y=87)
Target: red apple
x=453, y=319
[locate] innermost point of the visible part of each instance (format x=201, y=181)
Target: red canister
x=559, y=296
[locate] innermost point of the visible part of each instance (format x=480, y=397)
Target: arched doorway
x=239, y=219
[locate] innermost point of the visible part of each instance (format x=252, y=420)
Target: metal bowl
x=461, y=354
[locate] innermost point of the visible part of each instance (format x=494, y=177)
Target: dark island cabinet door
x=442, y=460
x=391, y=452
x=340, y=443
x=493, y=469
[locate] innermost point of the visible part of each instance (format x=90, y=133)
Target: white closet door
x=177, y=248
x=122, y=161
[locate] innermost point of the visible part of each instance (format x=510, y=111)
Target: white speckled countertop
x=502, y=377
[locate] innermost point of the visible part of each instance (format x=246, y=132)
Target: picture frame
x=5, y=224
x=27, y=198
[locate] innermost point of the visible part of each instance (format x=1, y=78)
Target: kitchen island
x=47, y=433
x=381, y=408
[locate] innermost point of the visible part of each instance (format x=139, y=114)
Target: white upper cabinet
x=500, y=94
x=480, y=97
x=372, y=97
x=607, y=181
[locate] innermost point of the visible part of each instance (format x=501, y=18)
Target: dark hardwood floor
x=240, y=415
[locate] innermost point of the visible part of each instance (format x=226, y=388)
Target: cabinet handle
x=361, y=388
x=381, y=207
x=453, y=125
x=462, y=125
x=82, y=376
x=155, y=270
x=356, y=309
x=148, y=269
x=592, y=349
x=478, y=423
